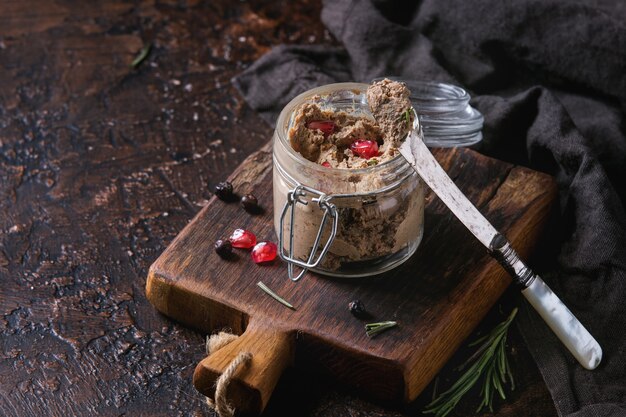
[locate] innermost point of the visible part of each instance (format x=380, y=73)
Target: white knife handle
x=564, y=324
x=557, y=316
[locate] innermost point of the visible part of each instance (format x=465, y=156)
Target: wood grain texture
x=438, y=296
x=101, y=167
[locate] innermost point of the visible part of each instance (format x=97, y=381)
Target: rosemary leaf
x=510, y=374
x=498, y=385
x=502, y=363
x=372, y=329
x=490, y=363
x=274, y=295
x=143, y=54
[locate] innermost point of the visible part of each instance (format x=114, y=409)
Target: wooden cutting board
x=437, y=297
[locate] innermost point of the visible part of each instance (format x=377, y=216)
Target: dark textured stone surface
x=100, y=166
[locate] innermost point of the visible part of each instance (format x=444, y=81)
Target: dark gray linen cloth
x=550, y=78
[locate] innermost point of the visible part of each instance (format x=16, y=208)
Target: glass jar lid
x=445, y=114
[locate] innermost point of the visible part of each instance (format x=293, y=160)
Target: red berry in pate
x=326, y=126
x=365, y=148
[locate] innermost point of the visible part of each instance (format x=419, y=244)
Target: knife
x=558, y=317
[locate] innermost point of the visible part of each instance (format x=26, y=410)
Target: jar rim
x=397, y=162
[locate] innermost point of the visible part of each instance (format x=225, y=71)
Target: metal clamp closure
x=295, y=197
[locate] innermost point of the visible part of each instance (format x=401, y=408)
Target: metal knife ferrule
x=503, y=252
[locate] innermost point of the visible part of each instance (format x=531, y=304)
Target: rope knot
x=213, y=344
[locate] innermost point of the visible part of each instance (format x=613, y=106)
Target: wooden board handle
x=252, y=384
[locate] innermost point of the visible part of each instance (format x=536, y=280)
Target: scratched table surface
x=101, y=165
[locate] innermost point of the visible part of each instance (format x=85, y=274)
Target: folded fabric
x=550, y=79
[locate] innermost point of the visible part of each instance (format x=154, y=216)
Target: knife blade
x=559, y=318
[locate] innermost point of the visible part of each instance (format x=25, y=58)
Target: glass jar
x=343, y=222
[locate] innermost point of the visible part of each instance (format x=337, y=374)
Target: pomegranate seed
x=365, y=148
x=264, y=252
x=326, y=126
x=242, y=239
x=326, y=164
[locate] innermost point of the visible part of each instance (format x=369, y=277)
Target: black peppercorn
x=358, y=309
x=250, y=203
x=223, y=248
x=224, y=191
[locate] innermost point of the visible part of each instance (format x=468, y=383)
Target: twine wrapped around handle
x=214, y=343
x=251, y=363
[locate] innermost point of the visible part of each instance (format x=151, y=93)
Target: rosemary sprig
x=489, y=360
x=143, y=54
x=372, y=329
x=274, y=295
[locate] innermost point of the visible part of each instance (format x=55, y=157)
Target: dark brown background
x=100, y=167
